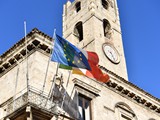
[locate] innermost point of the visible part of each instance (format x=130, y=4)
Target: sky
x=140, y=24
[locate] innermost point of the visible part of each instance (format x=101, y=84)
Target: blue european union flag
x=67, y=54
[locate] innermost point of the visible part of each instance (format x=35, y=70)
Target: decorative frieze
x=9, y=60
x=133, y=96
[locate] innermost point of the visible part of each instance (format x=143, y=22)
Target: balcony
x=40, y=103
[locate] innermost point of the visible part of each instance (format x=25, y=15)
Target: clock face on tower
x=111, y=53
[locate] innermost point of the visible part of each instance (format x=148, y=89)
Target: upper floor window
x=84, y=104
x=84, y=93
x=105, y=4
x=106, y=28
x=78, y=31
x=78, y=6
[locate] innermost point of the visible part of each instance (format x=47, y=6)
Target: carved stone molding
x=17, y=53
x=133, y=96
x=85, y=88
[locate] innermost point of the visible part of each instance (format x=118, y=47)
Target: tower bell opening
x=78, y=31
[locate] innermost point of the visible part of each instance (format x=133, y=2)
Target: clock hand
x=112, y=55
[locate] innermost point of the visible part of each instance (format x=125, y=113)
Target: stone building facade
x=33, y=88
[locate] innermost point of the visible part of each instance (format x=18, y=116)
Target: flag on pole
x=69, y=55
x=95, y=71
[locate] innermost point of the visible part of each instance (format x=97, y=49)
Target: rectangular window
x=84, y=107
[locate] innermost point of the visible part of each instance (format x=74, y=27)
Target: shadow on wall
x=70, y=105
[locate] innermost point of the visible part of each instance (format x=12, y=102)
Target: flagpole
x=45, y=78
x=27, y=75
x=64, y=95
x=53, y=82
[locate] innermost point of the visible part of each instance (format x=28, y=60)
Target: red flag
x=95, y=71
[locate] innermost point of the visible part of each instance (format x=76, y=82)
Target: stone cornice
x=22, y=41
x=36, y=40
x=147, y=102
x=84, y=86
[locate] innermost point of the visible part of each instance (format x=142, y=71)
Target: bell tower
x=94, y=26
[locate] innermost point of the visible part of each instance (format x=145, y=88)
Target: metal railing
x=33, y=96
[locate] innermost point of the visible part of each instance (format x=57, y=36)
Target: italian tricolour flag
x=95, y=71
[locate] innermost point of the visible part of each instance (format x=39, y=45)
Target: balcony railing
x=32, y=96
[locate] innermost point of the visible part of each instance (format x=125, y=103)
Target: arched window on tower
x=105, y=4
x=107, y=28
x=78, y=6
x=78, y=31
